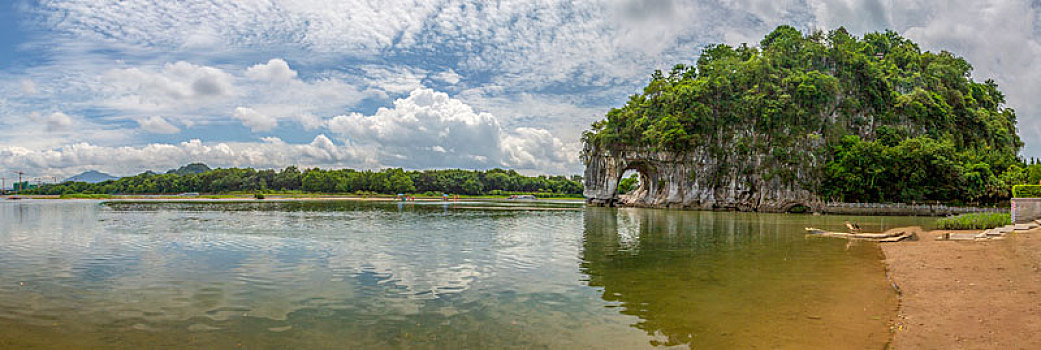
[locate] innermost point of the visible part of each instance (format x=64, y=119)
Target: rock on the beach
x=963, y=236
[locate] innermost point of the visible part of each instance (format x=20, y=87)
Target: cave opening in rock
x=798, y=209
x=634, y=184
x=630, y=181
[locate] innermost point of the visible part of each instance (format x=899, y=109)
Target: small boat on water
x=529, y=197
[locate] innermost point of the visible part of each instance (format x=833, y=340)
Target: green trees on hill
x=873, y=118
x=386, y=181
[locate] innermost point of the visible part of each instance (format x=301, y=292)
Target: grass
x=974, y=221
x=85, y=196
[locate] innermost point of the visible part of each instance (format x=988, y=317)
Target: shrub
x=1026, y=191
x=974, y=221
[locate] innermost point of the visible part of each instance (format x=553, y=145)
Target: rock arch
x=647, y=173
x=691, y=180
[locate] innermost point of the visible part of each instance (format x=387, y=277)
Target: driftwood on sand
x=893, y=235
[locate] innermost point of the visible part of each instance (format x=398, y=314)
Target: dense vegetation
x=872, y=119
x=386, y=181
x=974, y=221
x=1026, y=191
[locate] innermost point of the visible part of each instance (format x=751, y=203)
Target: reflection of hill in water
x=732, y=280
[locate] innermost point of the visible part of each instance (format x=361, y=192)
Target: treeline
x=386, y=181
x=919, y=168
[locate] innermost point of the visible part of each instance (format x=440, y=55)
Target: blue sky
x=128, y=86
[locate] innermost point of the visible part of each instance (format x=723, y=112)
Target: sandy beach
x=967, y=295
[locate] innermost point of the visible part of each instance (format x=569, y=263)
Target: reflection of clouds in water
x=162, y=265
x=628, y=229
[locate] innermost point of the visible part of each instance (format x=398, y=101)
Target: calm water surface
x=83, y=274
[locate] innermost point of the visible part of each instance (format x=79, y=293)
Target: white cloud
x=424, y=120
x=29, y=87
x=275, y=70
x=431, y=129
x=157, y=125
x=54, y=122
x=395, y=79
x=176, y=86
x=448, y=76
x=256, y=121
x=566, y=116
x=78, y=157
x=529, y=148
x=310, y=121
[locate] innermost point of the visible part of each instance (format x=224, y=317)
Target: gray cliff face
x=699, y=180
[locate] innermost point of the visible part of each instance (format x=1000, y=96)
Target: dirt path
x=967, y=295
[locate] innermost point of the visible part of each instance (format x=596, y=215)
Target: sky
x=134, y=85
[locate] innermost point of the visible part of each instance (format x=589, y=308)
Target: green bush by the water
x=1026, y=191
x=974, y=221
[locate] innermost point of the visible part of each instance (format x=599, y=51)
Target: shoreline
x=966, y=294
x=287, y=198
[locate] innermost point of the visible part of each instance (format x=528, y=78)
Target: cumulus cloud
x=431, y=129
x=275, y=70
x=174, y=86
x=157, y=125
x=309, y=121
x=530, y=148
x=256, y=121
x=81, y=156
x=426, y=128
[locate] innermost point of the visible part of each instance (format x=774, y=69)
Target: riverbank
x=287, y=197
x=967, y=295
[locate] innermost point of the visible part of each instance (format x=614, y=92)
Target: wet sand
x=967, y=295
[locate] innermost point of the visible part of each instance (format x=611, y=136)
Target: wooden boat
x=893, y=235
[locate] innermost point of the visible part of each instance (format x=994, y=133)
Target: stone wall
x=691, y=180
x=900, y=209
x=1025, y=210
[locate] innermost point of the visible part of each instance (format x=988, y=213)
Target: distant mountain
x=92, y=176
x=194, y=168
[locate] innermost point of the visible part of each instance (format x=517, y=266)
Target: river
x=352, y=274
